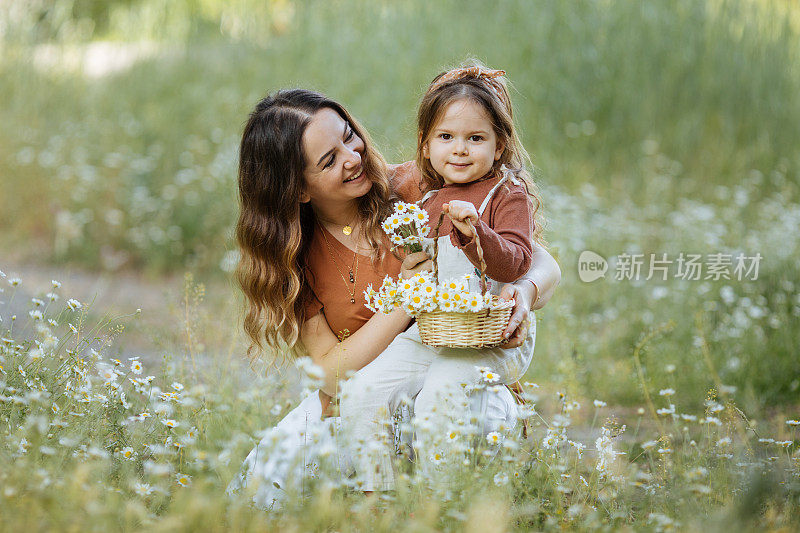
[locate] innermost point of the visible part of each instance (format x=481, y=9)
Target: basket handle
x=484, y=284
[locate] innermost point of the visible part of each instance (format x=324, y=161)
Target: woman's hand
x=414, y=263
x=517, y=329
x=528, y=294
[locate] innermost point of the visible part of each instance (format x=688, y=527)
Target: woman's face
x=334, y=173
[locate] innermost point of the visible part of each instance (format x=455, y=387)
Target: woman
x=313, y=192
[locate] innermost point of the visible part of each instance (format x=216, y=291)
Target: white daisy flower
x=500, y=479
x=494, y=438
x=428, y=289
x=416, y=301
x=142, y=489
x=170, y=423
x=184, y=480
x=437, y=458
x=550, y=440
x=696, y=474
x=475, y=303
x=74, y=304
x=127, y=453
x=490, y=376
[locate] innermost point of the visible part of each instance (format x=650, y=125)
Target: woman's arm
x=532, y=291
x=338, y=359
x=544, y=275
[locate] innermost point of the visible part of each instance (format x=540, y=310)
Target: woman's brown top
x=331, y=287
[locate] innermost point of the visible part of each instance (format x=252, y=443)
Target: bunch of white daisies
x=421, y=293
x=406, y=226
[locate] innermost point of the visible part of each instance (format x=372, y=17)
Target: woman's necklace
x=350, y=290
x=347, y=229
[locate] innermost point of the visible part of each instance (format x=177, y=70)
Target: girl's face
x=462, y=146
x=334, y=173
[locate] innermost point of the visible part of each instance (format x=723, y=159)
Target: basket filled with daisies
x=447, y=312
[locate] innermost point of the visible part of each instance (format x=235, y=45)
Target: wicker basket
x=465, y=330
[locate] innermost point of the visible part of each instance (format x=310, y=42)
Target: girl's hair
x=487, y=88
x=274, y=229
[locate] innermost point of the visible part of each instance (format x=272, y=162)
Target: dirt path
x=160, y=326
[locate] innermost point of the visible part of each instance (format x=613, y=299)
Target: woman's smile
x=356, y=176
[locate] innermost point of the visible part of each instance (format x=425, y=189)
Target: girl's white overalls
x=439, y=379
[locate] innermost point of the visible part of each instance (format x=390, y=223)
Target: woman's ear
x=425, y=152
x=305, y=197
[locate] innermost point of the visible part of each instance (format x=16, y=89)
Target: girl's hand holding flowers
x=406, y=226
x=459, y=212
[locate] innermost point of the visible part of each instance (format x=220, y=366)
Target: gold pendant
x=347, y=230
x=352, y=300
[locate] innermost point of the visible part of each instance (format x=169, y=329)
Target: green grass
x=69, y=416
x=655, y=127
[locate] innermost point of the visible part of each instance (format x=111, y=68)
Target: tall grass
x=90, y=441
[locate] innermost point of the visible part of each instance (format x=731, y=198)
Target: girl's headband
x=486, y=74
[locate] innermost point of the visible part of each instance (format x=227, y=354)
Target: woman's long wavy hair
x=274, y=229
x=493, y=97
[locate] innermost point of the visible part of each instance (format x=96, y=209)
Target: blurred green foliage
x=655, y=127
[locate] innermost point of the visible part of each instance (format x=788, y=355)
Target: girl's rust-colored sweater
x=505, y=227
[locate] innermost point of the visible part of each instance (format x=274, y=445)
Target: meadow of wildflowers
x=654, y=402
x=95, y=440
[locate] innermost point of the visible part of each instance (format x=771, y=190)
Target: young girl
x=472, y=168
